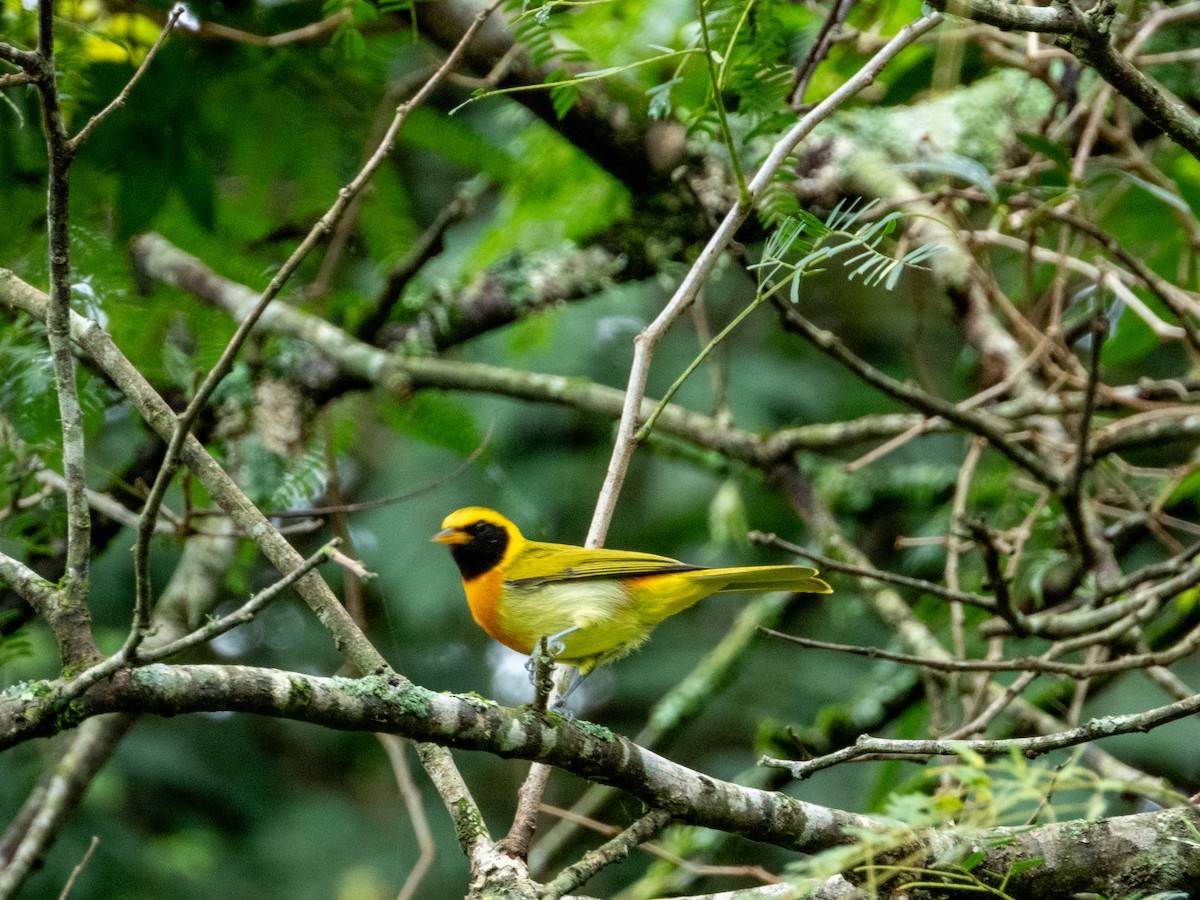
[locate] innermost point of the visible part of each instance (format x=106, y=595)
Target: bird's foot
x=559, y=707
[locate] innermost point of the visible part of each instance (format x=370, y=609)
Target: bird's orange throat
x=483, y=596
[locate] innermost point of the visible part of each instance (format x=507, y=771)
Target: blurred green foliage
x=233, y=151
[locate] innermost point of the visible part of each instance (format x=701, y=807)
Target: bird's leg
x=552, y=646
x=539, y=665
x=555, y=648
x=560, y=705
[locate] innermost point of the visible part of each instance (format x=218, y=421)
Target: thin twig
x=16, y=79
x=986, y=426
x=45, y=812
x=118, y=101
x=1086, y=36
x=126, y=658
x=1071, y=494
x=188, y=417
x=425, y=247
x=614, y=850
x=1045, y=664
x=1093, y=654
x=340, y=237
x=1151, y=572
x=685, y=294
x=818, y=51
x=66, y=891
x=984, y=717
x=244, y=613
x=717, y=87
x=71, y=626
x=109, y=359
x=1030, y=748
x=381, y=502
x=919, y=584
x=1005, y=608
x=311, y=32
x=411, y=795
x=954, y=547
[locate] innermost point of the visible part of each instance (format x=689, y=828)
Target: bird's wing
x=543, y=563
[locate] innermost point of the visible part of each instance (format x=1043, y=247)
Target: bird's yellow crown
x=469, y=515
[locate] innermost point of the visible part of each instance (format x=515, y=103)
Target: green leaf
x=1054, y=152
x=1188, y=489
x=27, y=386
x=1024, y=865
x=361, y=11
x=973, y=860
x=563, y=98
x=953, y=165
x=197, y=187
x=350, y=41
x=433, y=418
x=14, y=645
x=1170, y=198
x=660, y=98
x=453, y=139
x=143, y=184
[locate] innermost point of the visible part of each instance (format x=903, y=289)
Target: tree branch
x=1087, y=36
x=393, y=704
x=400, y=374
x=97, y=344
x=118, y=101
x=1029, y=747
x=685, y=294
x=388, y=703
x=986, y=426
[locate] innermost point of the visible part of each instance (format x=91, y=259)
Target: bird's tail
x=800, y=579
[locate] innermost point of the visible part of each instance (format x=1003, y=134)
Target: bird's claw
x=560, y=707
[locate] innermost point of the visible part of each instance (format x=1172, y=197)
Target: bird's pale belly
x=600, y=609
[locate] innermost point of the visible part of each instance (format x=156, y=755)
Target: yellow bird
x=594, y=606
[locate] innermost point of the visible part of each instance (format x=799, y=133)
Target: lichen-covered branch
x=388, y=703
x=16, y=294
x=1088, y=36
x=399, y=373
x=72, y=627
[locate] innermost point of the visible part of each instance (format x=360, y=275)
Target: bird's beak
x=451, y=536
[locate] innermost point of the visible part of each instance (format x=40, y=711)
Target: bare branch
x=1086, y=35
x=223, y=365
x=117, y=102
x=834, y=565
x=73, y=634
x=411, y=796
x=986, y=426
x=615, y=850
x=27, y=60
x=685, y=294
x=1030, y=748
x=1042, y=19
x=244, y=613
x=16, y=294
